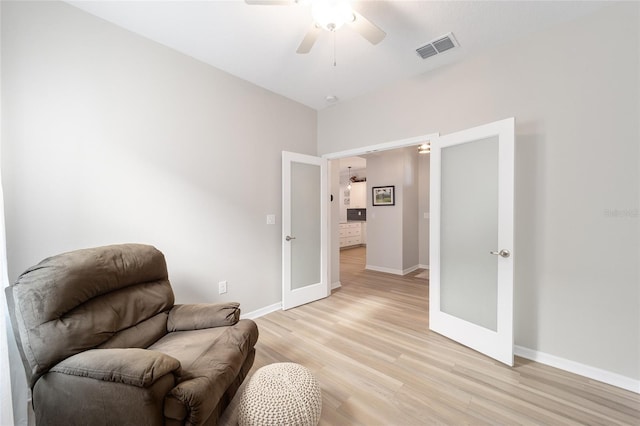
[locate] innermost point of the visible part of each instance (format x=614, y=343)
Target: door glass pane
x=469, y=231
x=305, y=224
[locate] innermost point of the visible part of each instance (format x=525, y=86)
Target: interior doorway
x=393, y=239
x=455, y=184
x=352, y=204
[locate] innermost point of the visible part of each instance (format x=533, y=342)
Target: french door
x=304, y=229
x=471, y=238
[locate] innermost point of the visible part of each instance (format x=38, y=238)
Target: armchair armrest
x=136, y=367
x=200, y=315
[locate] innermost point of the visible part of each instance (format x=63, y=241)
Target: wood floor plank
x=370, y=348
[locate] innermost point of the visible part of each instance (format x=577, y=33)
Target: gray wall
x=384, y=223
x=410, y=198
x=392, y=231
x=108, y=137
x=575, y=93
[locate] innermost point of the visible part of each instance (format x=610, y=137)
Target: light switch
x=271, y=219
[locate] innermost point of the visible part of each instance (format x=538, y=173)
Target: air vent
x=426, y=51
x=439, y=45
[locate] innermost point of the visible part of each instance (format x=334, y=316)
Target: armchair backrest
x=108, y=297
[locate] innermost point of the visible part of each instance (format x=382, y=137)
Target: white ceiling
x=357, y=164
x=258, y=43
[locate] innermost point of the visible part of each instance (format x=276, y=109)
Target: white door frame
x=385, y=146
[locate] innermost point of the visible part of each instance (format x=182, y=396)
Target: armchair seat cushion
x=205, y=374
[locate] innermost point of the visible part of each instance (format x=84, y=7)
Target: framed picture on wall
x=384, y=195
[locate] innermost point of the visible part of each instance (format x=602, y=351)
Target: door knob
x=503, y=253
x=288, y=238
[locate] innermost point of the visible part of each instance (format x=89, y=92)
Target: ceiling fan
x=330, y=15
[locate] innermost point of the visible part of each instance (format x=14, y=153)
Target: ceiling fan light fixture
x=331, y=14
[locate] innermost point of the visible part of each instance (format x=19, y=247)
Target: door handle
x=288, y=238
x=504, y=253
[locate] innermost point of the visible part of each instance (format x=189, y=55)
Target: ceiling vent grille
x=439, y=45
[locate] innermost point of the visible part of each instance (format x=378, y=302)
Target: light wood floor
x=370, y=348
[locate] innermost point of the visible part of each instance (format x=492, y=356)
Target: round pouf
x=285, y=393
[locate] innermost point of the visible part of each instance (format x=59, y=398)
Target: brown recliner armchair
x=103, y=343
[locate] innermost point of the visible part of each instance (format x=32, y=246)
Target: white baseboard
x=594, y=373
x=422, y=266
x=383, y=269
x=410, y=270
x=275, y=307
x=391, y=270
x=262, y=311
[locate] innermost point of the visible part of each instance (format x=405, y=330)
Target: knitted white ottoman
x=281, y=394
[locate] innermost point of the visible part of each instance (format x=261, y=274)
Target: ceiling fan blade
x=367, y=29
x=269, y=2
x=309, y=39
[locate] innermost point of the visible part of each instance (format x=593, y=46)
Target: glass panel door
x=305, y=225
x=471, y=260
x=469, y=231
x=304, y=229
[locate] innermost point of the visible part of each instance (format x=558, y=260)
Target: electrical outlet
x=222, y=287
x=271, y=219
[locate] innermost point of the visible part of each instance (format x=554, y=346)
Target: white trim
x=391, y=270
x=423, y=266
x=593, y=373
x=383, y=269
x=262, y=311
x=411, y=269
x=385, y=146
x=335, y=285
